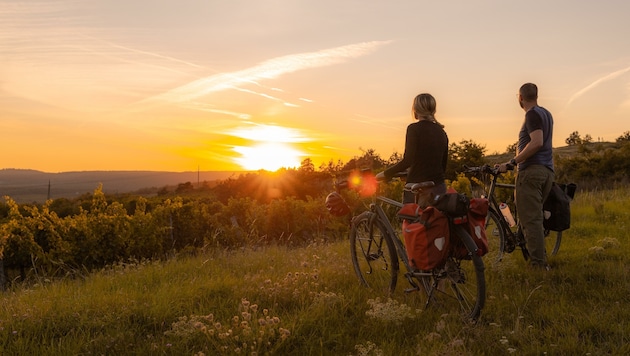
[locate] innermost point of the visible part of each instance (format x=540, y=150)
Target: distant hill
x=27, y=186
x=563, y=152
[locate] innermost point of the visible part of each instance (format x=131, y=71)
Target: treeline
x=69, y=237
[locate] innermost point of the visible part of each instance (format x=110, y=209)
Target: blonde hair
x=424, y=108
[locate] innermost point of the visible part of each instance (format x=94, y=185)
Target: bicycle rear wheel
x=373, y=254
x=461, y=284
x=552, y=242
x=496, y=238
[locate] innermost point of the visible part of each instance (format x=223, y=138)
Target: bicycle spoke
x=457, y=286
x=373, y=255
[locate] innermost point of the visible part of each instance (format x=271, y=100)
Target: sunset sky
x=181, y=85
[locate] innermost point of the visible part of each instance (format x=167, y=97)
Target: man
x=535, y=174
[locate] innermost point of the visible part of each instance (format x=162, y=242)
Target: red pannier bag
x=426, y=235
x=476, y=226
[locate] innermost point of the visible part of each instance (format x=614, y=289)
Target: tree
x=370, y=159
x=625, y=137
x=331, y=167
x=574, y=139
x=394, y=158
x=512, y=148
x=467, y=153
x=307, y=165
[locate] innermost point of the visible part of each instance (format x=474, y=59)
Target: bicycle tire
x=373, y=253
x=496, y=237
x=552, y=242
x=454, y=284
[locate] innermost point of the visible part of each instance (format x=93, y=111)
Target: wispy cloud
x=605, y=78
x=270, y=69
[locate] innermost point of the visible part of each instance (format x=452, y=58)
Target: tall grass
x=307, y=301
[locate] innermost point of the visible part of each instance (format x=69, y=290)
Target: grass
x=307, y=301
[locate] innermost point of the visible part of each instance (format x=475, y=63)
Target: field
x=307, y=301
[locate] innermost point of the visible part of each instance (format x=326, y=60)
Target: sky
x=228, y=85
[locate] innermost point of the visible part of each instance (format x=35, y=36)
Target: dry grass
x=307, y=301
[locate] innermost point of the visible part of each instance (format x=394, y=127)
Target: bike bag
x=557, y=209
x=452, y=204
x=476, y=227
x=426, y=235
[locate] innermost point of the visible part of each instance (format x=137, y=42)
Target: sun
x=269, y=156
x=272, y=147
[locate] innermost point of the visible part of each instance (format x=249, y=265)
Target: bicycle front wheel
x=496, y=238
x=373, y=253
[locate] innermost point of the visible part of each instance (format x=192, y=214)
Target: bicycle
x=377, y=249
x=509, y=235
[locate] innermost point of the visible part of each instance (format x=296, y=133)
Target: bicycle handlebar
x=487, y=169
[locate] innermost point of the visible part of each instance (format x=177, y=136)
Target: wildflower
x=254, y=308
x=432, y=336
x=246, y=316
x=245, y=303
x=284, y=333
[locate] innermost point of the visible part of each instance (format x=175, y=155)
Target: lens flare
x=364, y=182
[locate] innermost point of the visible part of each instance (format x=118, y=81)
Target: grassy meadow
x=307, y=301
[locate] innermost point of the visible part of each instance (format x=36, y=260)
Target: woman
x=426, y=149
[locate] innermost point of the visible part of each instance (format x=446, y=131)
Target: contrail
x=599, y=81
x=153, y=54
x=267, y=70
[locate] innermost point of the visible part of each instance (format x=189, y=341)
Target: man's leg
x=532, y=186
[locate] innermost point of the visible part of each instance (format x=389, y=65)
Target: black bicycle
x=377, y=249
x=504, y=234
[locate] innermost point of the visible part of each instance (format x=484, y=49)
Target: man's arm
x=535, y=143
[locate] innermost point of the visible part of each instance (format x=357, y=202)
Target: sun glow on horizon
x=269, y=156
x=272, y=147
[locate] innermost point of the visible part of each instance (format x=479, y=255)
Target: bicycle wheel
x=373, y=254
x=461, y=283
x=552, y=242
x=496, y=238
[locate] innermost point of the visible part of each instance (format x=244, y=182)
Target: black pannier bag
x=452, y=204
x=557, y=208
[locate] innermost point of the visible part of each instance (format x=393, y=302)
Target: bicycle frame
x=494, y=205
x=506, y=234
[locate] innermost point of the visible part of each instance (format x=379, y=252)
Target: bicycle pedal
x=373, y=256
